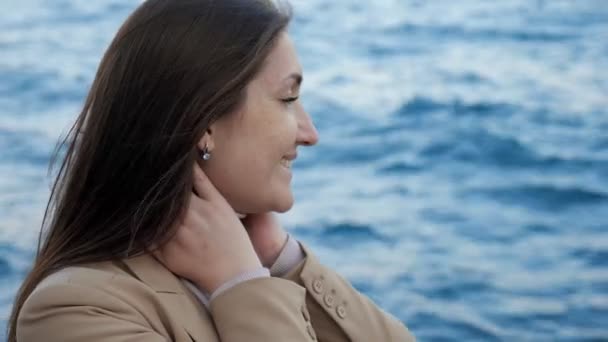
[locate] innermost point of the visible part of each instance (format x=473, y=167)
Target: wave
x=39, y=89
x=543, y=197
x=419, y=105
x=489, y=149
x=593, y=257
x=336, y=234
x=455, y=32
x=400, y=168
x=5, y=268
x=18, y=148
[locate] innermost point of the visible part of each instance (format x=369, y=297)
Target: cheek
x=287, y=133
x=275, y=138
x=248, y=164
x=235, y=178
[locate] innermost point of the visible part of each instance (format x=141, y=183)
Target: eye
x=290, y=99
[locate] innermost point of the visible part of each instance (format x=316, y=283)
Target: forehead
x=281, y=62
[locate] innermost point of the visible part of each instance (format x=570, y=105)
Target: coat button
x=317, y=285
x=311, y=332
x=305, y=313
x=329, y=300
x=341, y=311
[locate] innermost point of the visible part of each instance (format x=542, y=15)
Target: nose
x=307, y=132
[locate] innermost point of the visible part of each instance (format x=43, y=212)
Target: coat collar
x=181, y=304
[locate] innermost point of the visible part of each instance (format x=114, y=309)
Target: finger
x=202, y=185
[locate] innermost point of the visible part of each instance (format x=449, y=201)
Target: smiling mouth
x=286, y=163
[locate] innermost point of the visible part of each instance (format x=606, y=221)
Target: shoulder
x=102, y=286
x=102, y=283
x=85, y=296
x=104, y=278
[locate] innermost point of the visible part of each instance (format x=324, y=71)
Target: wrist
x=210, y=283
x=241, y=278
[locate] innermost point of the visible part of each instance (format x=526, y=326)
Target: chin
x=280, y=204
x=284, y=203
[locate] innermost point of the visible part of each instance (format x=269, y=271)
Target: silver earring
x=205, y=154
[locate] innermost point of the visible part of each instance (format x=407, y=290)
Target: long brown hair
x=173, y=68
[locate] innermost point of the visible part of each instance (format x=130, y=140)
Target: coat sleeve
x=261, y=310
x=338, y=311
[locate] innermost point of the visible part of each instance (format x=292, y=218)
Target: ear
x=206, y=140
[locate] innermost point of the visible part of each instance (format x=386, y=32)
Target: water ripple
x=543, y=197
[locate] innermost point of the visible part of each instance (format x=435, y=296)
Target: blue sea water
x=461, y=180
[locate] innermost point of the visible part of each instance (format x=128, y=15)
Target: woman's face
x=252, y=149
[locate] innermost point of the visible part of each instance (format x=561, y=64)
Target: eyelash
x=290, y=99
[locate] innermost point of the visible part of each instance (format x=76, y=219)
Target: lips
x=286, y=163
x=288, y=159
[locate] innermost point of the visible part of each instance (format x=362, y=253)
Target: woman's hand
x=267, y=236
x=211, y=245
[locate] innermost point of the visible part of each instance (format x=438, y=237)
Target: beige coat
x=139, y=300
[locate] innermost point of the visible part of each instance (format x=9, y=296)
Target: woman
x=160, y=223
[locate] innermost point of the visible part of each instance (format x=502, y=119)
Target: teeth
x=286, y=163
